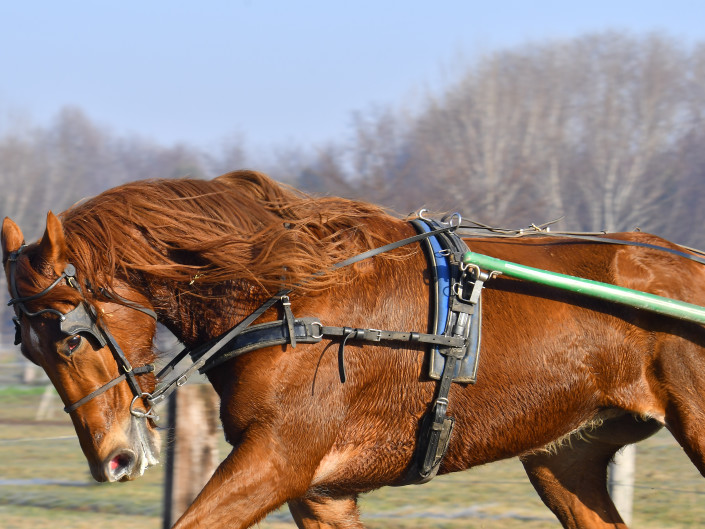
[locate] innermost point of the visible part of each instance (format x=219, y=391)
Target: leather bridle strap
x=82, y=318
x=205, y=352
x=114, y=382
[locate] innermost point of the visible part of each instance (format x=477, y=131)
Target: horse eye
x=73, y=342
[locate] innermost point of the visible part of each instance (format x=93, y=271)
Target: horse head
x=87, y=339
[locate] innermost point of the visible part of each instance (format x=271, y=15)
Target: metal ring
x=448, y=219
x=420, y=213
x=320, y=326
x=149, y=414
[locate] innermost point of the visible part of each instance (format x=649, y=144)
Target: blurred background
x=510, y=112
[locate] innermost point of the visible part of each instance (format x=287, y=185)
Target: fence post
x=46, y=408
x=621, y=481
x=192, y=447
x=168, y=518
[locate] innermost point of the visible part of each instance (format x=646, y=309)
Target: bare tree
x=632, y=116
x=603, y=129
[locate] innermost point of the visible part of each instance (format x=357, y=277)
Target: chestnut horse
x=564, y=381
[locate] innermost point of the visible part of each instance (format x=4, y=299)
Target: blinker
x=81, y=320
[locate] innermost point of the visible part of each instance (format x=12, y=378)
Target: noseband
x=83, y=320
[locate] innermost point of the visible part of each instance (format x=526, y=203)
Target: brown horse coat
x=564, y=381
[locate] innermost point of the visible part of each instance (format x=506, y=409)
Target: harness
x=455, y=342
x=454, y=339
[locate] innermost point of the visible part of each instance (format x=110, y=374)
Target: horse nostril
x=120, y=465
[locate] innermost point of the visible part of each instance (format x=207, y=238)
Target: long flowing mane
x=239, y=226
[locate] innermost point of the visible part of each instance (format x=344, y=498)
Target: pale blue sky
x=275, y=72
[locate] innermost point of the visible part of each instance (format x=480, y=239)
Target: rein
x=477, y=229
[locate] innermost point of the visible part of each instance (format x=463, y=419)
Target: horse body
x=564, y=381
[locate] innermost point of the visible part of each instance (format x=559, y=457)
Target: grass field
x=44, y=484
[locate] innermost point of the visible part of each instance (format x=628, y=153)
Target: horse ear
x=52, y=246
x=12, y=238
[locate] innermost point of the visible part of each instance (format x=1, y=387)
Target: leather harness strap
x=210, y=351
x=453, y=344
x=461, y=319
x=478, y=229
x=310, y=330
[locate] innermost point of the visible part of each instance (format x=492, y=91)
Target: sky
x=271, y=72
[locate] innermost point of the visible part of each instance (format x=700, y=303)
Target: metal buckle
x=376, y=337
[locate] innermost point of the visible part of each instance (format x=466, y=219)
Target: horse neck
x=197, y=314
x=209, y=311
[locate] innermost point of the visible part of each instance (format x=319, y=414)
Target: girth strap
x=457, y=297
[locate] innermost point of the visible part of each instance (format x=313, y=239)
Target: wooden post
x=192, y=447
x=621, y=481
x=168, y=517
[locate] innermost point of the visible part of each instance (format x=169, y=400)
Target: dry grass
x=44, y=483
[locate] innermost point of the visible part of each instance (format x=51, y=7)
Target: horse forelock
x=32, y=275
x=241, y=226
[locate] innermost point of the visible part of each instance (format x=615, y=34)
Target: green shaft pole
x=625, y=296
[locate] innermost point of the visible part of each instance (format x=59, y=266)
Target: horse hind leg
x=571, y=478
x=325, y=512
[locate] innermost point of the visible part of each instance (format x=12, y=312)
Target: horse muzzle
x=130, y=459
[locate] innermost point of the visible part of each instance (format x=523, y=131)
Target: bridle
x=83, y=320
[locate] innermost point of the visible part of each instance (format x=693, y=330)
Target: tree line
x=605, y=130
